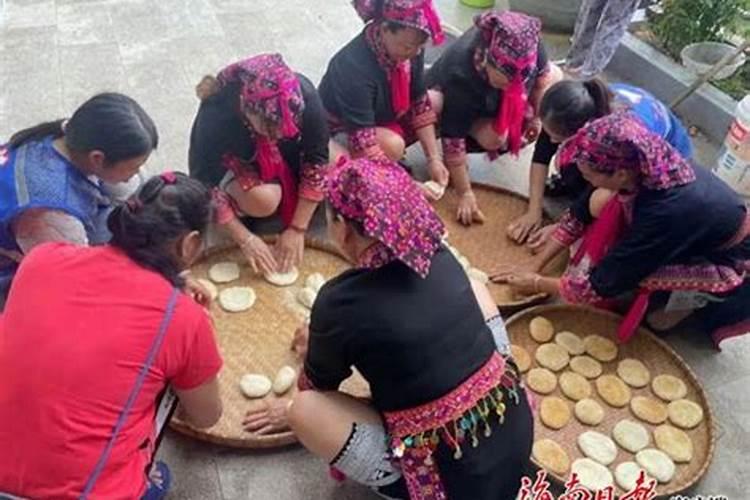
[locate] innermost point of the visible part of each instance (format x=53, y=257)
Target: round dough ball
x=597, y=446
x=649, y=410
x=436, y=189
x=315, y=281
x=586, y=366
x=669, y=388
x=613, y=391
x=224, y=272
x=541, y=329
x=657, y=464
x=571, y=342
x=254, y=385
x=631, y=436
x=283, y=279
x=541, y=380
x=554, y=412
x=674, y=442
x=551, y=456
x=521, y=357
x=306, y=297
x=589, y=412
x=284, y=380
x=552, y=356
x=685, y=414
x=593, y=475
x=634, y=373
x=600, y=348
x=575, y=386
x=478, y=275
x=627, y=475
x=213, y=292
x=237, y=298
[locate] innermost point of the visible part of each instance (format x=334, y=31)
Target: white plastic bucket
x=733, y=165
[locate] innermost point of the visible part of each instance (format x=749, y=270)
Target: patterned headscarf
x=511, y=43
x=620, y=141
x=419, y=14
x=391, y=209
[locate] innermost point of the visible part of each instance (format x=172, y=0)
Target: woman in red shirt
x=91, y=337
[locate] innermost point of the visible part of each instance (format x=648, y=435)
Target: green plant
x=688, y=21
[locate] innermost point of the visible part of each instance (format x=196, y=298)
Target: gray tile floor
x=54, y=53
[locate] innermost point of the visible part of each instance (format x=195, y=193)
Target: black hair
x=161, y=211
x=568, y=105
x=112, y=123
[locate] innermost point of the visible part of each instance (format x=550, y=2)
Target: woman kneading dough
x=448, y=417
x=111, y=329
x=261, y=136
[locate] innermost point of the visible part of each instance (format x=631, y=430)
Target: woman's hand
x=539, y=237
x=290, y=248
x=258, y=255
x=468, y=210
x=533, y=130
x=197, y=291
x=523, y=227
x=300, y=342
x=525, y=282
x=268, y=419
x=438, y=171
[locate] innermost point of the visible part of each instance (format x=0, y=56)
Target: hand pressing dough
x=255, y=386
x=315, y=281
x=674, y=442
x=478, y=275
x=594, y=476
x=284, y=380
x=552, y=356
x=600, y=348
x=634, y=373
x=575, y=386
x=668, y=388
x=627, y=475
x=541, y=329
x=213, y=292
x=589, y=412
x=436, y=189
x=541, y=380
x=586, y=366
x=237, y=298
x=551, y=456
x=306, y=297
x=554, y=413
x=521, y=357
x=649, y=410
x=631, y=436
x=657, y=464
x=571, y=342
x=283, y=279
x=613, y=391
x=224, y=272
x=685, y=414
x=597, y=446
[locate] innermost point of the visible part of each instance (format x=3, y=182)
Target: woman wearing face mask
x=52, y=175
x=261, y=136
x=374, y=89
x=486, y=88
x=91, y=337
x=677, y=230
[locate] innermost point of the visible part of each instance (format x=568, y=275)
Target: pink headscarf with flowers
x=511, y=41
x=391, y=209
x=268, y=87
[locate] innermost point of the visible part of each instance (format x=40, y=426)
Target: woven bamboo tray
x=259, y=341
x=486, y=245
x=644, y=346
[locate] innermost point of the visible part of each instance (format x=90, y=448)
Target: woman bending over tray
x=486, y=89
x=261, y=136
x=565, y=108
x=674, y=233
x=54, y=177
x=448, y=413
x=92, y=336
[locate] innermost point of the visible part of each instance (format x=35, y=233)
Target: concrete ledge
x=638, y=63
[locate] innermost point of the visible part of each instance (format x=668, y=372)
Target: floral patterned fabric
x=391, y=209
x=620, y=141
x=454, y=151
x=419, y=14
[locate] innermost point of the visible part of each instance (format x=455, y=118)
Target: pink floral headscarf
x=419, y=14
x=389, y=205
x=620, y=141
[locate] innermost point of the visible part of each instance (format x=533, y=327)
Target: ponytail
x=600, y=95
x=164, y=209
x=37, y=133
x=568, y=105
